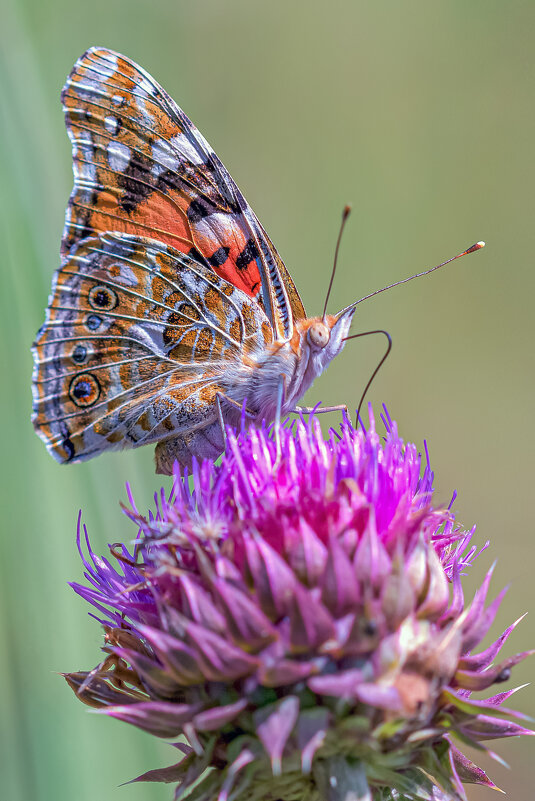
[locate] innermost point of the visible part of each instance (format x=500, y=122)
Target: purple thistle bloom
x=301, y=625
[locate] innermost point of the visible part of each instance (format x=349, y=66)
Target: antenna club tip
x=475, y=247
x=346, y=212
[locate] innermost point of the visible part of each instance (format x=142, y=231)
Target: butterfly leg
x=319, y=409
x=281, y=389
x=220, y=418
x=239, y=406
x=220, y=397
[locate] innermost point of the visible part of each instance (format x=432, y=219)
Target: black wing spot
x=197, y=211
x=248, y=254
x=69, y=447
x=136, y=181
x=219, y=257
x=197, y=256
x=79, y=354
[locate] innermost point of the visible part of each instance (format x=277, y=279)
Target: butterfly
x=171, y=309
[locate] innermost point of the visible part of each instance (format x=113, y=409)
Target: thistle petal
x=312, y=728
x=310, y=623
x=468, y=771
x=484, y=727
x=172, y=774
x=164, y=719
x=342, y=684
x=155, y=678
x=272, y=579
x=247, y=624
x=482, y=660
x=339, y=587
x=274, y=726
x=244, y=759
x=97, y=692
x=218, y=659
x=218, y=716
x=179, y=659
x=472, y=680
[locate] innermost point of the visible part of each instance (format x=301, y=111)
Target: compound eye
x=318, y=335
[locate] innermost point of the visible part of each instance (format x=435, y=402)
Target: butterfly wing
x=136, y=338
x=142, y=168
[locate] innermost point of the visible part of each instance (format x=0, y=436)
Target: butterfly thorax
x=296, y=362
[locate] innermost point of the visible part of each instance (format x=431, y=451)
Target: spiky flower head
x=299, y=622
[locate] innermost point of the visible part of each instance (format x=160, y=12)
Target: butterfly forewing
x=141, y=167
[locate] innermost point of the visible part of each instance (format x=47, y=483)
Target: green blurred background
x=418, y=113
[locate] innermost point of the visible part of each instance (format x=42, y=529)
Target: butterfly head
x=323, y=338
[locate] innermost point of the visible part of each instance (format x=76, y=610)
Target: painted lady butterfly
x=171, y=307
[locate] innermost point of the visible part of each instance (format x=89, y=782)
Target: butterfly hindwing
x=142, y=168
x=136, y=338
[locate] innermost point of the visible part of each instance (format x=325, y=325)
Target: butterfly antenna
x=345, y=214
x=383, y=360
x=472, y=249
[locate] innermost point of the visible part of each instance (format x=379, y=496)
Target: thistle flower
x=300, y=624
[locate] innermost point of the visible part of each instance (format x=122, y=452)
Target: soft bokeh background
x=421, y=115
